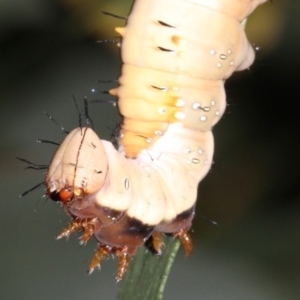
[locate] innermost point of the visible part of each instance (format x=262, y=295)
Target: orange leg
x=185, y=240
x=88, y=227
x=157, y=241
x=123, y=261
x=72, y=227
x=101, y=253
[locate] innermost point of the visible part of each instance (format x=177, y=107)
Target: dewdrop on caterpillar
x=176, y=56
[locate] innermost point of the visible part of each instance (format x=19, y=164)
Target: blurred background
x=48, y=54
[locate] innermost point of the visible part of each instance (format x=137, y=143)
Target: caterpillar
x=176, y=56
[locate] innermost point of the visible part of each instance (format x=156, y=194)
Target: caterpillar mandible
x=176, y=56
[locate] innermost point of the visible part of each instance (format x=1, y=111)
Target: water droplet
x=180, y=115
x=196, y=105
x=148, y=140
x=180, y=103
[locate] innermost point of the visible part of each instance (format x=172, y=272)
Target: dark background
x=47, y=54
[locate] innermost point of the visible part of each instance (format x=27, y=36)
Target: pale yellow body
x=162, y=182
x=170, y=101
x=177, y=55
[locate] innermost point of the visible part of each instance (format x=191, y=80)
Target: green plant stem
x=147, y=274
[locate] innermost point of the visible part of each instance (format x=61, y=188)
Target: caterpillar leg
x=87, y=225
x=185, y=240
x=123, y=261
x=71, y=228
x=88, y=228
x=157, y=241
x=101, y=253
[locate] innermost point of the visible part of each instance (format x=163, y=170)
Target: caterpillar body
x=176, y=56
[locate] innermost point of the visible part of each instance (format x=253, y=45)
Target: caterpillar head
x=78, y=167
